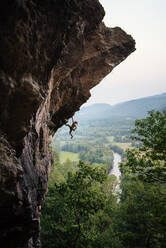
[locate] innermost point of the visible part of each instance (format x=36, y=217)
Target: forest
x=82, y=207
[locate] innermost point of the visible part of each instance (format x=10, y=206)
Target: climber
x=72, y=127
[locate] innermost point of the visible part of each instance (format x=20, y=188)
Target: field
x=123, y=146
x=68, y=155
x=110, y=139
x=94, y=141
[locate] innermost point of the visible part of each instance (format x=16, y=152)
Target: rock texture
x=52, y=53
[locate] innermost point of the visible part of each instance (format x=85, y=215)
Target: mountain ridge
x=135, y=108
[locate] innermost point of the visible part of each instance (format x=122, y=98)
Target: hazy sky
x=143, y=73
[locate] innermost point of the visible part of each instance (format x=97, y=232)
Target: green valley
x=103, y=127
x=82, y=207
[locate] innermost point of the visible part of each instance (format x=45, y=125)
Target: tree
x=151, y=133
x=148, y=161
x=68, y=215
x=141, y=217
x=56, y=174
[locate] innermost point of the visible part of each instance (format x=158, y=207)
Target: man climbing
x=72, y=127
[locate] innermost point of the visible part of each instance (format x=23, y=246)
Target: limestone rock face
x=52, y=53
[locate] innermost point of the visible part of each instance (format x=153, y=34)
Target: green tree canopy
x=148, y=161
x=68, y=214
x=151, y=133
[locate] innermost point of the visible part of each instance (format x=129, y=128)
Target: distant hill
x=95, y=111
x=133, y=109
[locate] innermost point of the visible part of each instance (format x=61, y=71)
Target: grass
x=68, y=155
x=110, y=138
x=123, y=146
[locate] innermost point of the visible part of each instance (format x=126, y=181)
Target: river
x=115, y=170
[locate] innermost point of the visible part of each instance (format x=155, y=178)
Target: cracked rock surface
x=52, y=53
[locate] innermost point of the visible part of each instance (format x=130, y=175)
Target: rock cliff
x=52, y=53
